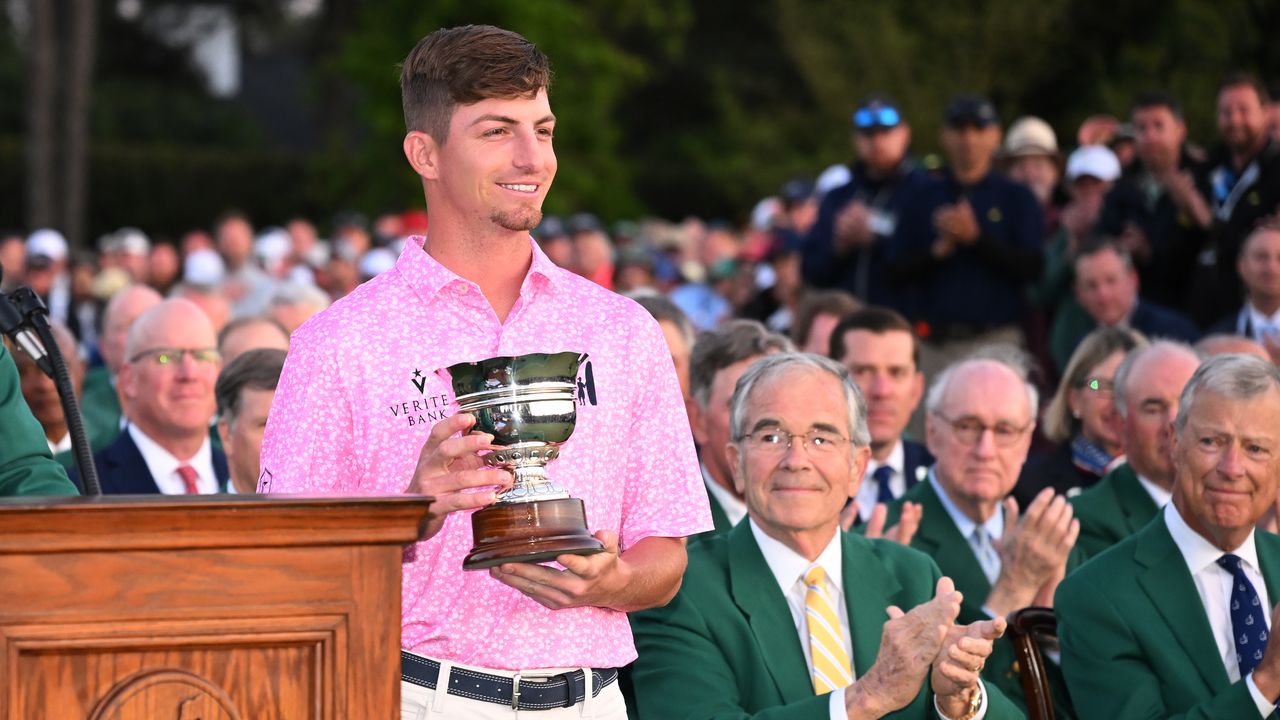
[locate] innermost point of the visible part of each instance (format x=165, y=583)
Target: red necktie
x=189, y=479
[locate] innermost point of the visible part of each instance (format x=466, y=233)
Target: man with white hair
x=1176, y=620
x=980, y=414
x=294, y=303
x=789, y=617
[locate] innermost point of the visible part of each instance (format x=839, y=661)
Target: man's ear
x=734, y=454
x=423, y=154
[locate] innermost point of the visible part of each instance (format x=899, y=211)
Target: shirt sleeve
x=1265, y=706
x=309, y=444
x=663, y=495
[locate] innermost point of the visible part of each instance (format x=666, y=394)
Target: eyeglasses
x=876, y=116
x=773, y=441
x=1099, y=386
x=969, y=430
x=173, y=356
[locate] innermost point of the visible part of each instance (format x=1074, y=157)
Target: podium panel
x=202, y=608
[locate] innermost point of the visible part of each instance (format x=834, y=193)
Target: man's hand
x=451, y=471
x=594, y=580
x=853, y=227
x=1033, y=550
x=960, y=662
x=1267, y=674
x=909, y=643
x=902, y=532
x=1135, y=241
x=1182, y=188
x=957, y=222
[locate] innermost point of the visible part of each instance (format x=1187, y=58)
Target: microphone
x=14, y=324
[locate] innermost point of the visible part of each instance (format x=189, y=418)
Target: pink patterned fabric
x=360, y=392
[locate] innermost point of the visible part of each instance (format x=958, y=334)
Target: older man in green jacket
x=26, y=468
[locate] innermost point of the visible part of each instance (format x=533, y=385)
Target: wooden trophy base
x=529, y=532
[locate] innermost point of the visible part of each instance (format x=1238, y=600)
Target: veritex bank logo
x=431, y=408
x=427, y=409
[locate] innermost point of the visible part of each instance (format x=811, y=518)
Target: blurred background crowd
x=206, y=151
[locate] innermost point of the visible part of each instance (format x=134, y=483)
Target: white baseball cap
x=1094, y=161
x=49, y=243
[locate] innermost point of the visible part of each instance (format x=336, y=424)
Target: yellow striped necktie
x=831, y=669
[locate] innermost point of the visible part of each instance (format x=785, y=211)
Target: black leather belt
x=559, y=691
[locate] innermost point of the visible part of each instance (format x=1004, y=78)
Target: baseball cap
x=877, y=112
x=971, y=110
x=47, y=243
x=1030, y=136
x=1094, y=161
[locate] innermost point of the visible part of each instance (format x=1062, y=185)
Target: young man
x=361, y=408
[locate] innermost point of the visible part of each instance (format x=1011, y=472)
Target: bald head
x=176, y=322
x=1230, y=344
x=123, y=309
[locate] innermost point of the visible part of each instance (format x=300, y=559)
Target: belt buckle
x=515, y=692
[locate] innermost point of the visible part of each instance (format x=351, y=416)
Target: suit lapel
x=719, y=519
x=1134, y=500
x=867, y=590
x=127, y=469
x=220, y=470
x=756, y=593
x=1269, y=558
x=939, y=538
x=1166, y=581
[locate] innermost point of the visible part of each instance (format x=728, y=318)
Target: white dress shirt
x=734, y=508
x=1213, y=584
x=164, y=466
x=1159, y=495
x=60, y=446
x=789, y=568
x=870, y=489
x=1261, y=323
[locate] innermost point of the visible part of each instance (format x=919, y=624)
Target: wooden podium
x=202, y=608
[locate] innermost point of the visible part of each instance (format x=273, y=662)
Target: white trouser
x=420, y=703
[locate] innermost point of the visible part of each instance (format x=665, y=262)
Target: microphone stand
x=21, y=312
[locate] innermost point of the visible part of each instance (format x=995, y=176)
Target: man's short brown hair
x=464, y=65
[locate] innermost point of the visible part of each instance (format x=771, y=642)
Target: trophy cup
x=527, y=403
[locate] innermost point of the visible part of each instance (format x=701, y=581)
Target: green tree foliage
x=593, y=74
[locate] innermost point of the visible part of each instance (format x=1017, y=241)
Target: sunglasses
x=870, y=117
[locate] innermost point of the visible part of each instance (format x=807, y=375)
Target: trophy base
x=529, y=532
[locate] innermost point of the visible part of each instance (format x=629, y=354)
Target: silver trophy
x=528, y=404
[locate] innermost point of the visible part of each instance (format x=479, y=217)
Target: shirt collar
x=161, y=462
x=896, y=460
x=1198, y=551
x=788, y=566
x=734, y=508
x=1159, y=495
x=427, y=277
x=994, y=524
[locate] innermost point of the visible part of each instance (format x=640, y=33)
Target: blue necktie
x=1248, y=617
x=882, y=476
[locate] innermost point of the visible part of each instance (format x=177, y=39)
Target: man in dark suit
x=1259, y=269
x=769, y=613
x=1173, y=621
x=167, y=382
x=26, y=467
x=883, y=356
x=718, y=359
x=980, y=416
x=1146, y=389
x=1106, y=286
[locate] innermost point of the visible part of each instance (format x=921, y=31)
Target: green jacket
x=718, y=518
x=26, y=468
x=939, y=538
x=1135, y=639
x=1115, y=508
x=726, y=646
x=100, y=407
